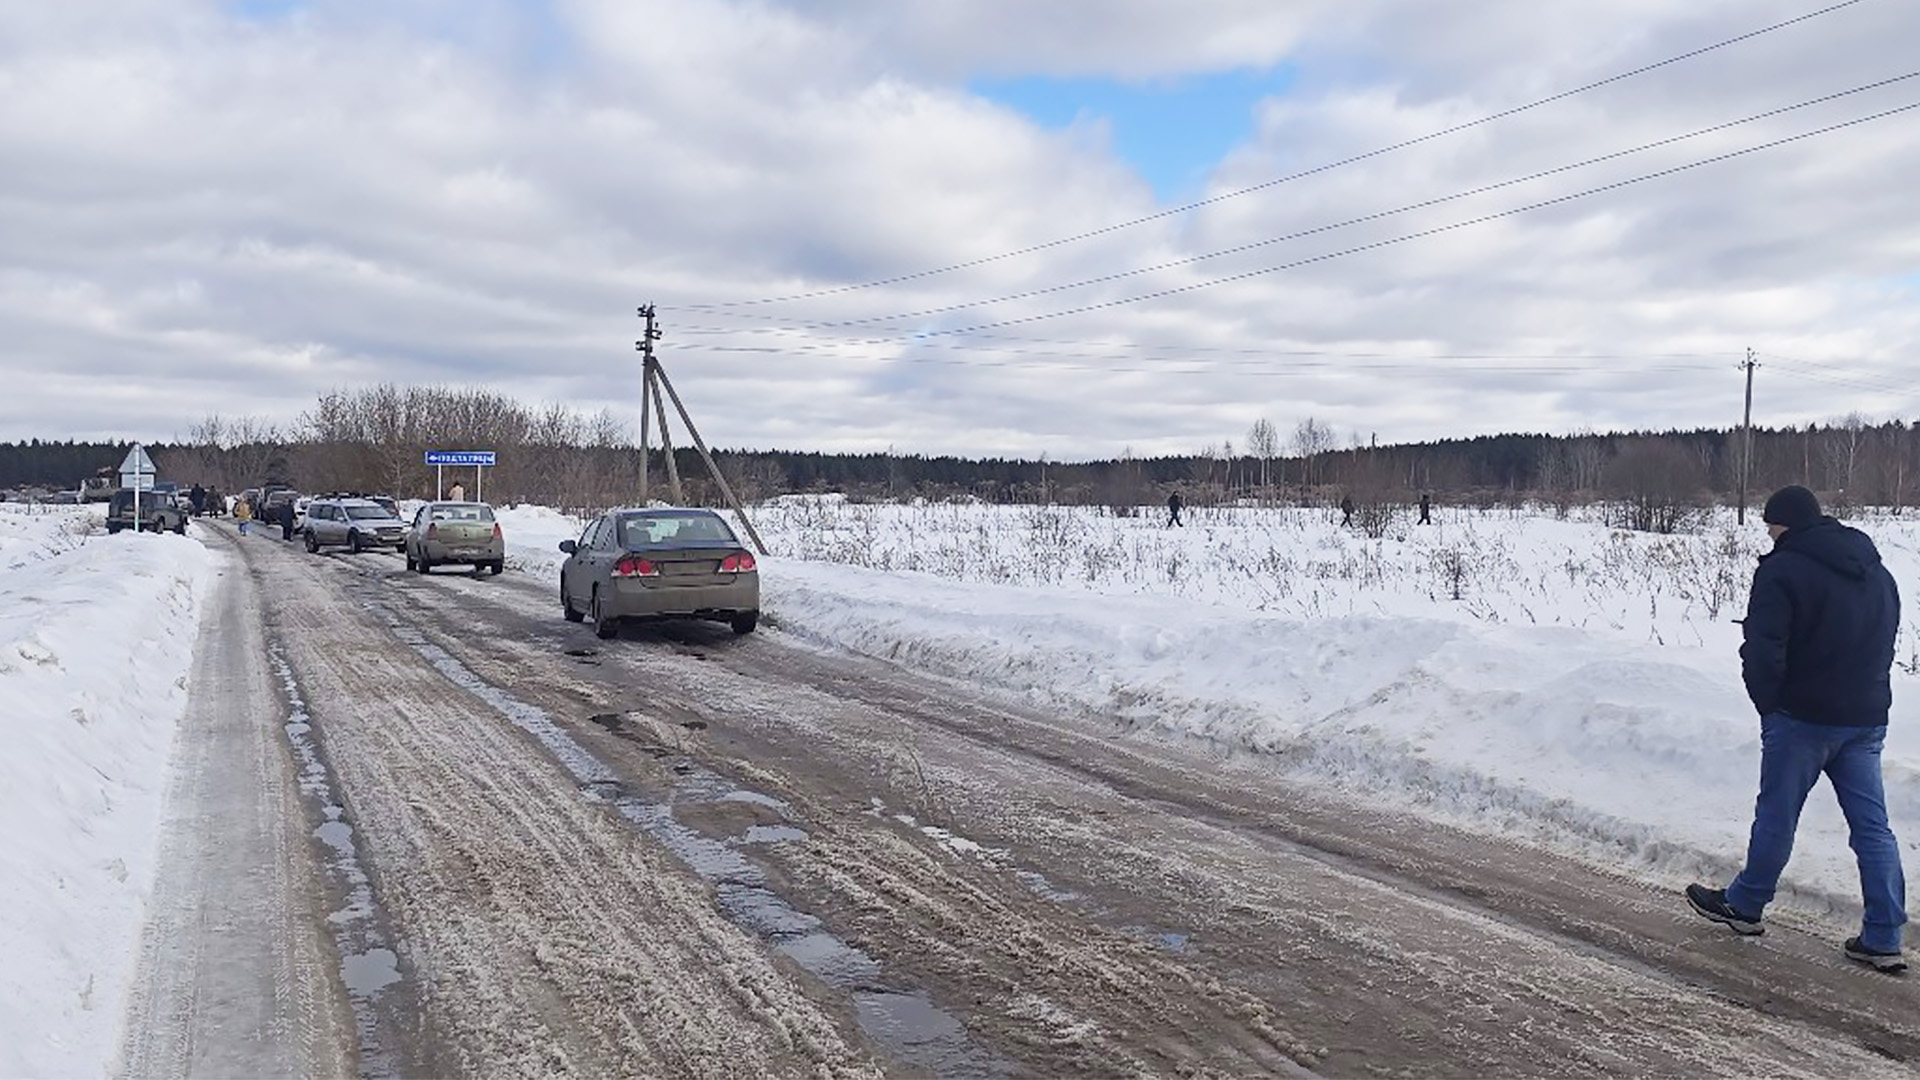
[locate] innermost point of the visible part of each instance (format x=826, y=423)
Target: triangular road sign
x=137, y=461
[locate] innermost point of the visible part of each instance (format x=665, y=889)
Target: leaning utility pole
x=1746, y=442
x=653, y=381
x=647, y=393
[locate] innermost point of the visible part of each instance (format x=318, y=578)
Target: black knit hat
x=1792, y=506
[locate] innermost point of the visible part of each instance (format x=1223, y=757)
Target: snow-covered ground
x=96, y=637
x=1582, y=690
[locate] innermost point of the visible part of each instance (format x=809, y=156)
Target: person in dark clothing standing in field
x=1346, y=510
x=1426, y=509
x=1817, y=661
x=1173, y=509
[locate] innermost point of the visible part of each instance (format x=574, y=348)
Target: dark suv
x=159, y=511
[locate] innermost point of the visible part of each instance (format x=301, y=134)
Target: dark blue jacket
x=1820, y=628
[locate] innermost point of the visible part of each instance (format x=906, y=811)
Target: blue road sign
x=460, y=457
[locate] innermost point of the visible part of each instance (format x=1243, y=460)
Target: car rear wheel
x=423, y=564
x=572, y=613
x=497, y=566
x=408, y=552
x=743, y=622
x=604, y=626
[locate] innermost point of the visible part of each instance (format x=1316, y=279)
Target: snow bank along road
x=685, y=853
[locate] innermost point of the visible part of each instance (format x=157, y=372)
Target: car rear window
x=639, y=531
x=461, y=513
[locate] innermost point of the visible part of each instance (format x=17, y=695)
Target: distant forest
x=373, y=440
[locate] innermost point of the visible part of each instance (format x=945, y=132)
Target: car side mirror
x=569, y=546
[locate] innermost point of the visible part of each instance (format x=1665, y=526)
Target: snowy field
x=1515, y=673
x=96, y=637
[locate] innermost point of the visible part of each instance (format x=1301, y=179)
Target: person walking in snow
x=1817, y=661
x=1174, y=504
x=1346, y=510
x=1426, y=509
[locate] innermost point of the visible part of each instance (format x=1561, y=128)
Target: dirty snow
x=96, y=638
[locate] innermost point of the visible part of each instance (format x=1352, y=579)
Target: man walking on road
x=1817, y=660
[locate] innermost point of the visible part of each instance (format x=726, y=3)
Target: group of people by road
x=279, y=512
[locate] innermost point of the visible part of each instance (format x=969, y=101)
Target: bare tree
x=1263, y=442
x=1311, y=439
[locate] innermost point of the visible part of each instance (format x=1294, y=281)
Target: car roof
x=631, y=510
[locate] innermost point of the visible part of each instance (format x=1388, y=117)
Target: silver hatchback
x=659, y=563
x=355, y=524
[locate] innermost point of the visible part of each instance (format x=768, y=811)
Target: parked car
x=659, y=563
x=455, y=532
x=159, y=511
x=355, y=524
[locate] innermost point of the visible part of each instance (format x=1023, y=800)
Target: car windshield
x=461, y=512
x=362, y=513
x=640, y=531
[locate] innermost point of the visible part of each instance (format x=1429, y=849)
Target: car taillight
x=741, y=563
x=433, y=532
x=635, y=566
x=496, y=530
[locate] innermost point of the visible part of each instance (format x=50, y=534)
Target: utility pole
x=655, y=380
x=648, y=397
x=1746, y=442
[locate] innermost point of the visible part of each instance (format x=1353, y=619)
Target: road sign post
x=440, y=459
x=136, y=472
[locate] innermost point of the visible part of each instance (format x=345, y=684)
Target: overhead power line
x=1273, y=363
x=1442, y=133
x=1423, y=233
x=1319, y=229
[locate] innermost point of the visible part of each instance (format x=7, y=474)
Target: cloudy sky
x=965, y=226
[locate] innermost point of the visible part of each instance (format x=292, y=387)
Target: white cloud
x=204, y=212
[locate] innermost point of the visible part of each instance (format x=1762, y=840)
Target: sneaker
x=1890, y=962
x=1712, y=904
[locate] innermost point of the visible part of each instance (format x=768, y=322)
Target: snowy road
x=684, y=853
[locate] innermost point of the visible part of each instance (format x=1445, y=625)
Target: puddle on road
x=369, y=965
x=772, y=834
x=1038, y=884
x=1169, y=940
x=904, y=1023
x=370, y=972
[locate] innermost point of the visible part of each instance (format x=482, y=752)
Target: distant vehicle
x=355, y=524
x=455, y=532
x=659, y=563
x=159, y=512
x=100, y=486
x=300, y=512
x=271, y=502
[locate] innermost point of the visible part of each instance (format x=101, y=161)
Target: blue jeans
x=1793, y=754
